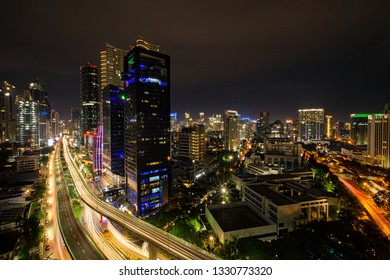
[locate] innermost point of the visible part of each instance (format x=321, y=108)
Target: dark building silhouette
x=90, y=98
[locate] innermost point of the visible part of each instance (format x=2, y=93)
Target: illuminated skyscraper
x=147, y=122
x=111, y=66
x=6, y=112
x=311, y=124
x=329, y=126
x=192, y=142
x=27, y=119
x=359, y=128
x=39, y=94
x=231, y=130
x=90, y=98
x=378, y=146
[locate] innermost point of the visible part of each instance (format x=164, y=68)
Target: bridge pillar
x=152, y=252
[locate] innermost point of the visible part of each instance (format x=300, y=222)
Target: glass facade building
x=146, y=80
x=359, y=128
x=27, y=116
x=113, y=121
x=90, y=98
x=39, y=94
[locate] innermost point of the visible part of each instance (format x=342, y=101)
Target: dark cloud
x=244, y=55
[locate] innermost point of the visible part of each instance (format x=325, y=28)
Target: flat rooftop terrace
x=233, y=217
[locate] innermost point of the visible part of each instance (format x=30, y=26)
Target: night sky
x=243, y=55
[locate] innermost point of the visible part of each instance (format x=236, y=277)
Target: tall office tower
x=329, y=127
x=111, y=66
x=75, y=119
x=6, y=112
x=90, y=98
x=27, y=120
x=359, y=128
x=55, y=123
x=311, y=124
x=39, y=94
x=378, y=146
x=113, y=133
x=146, y=79
x=262, y=125
x=231, y=122
x=192, y=142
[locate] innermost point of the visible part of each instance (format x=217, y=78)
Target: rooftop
x=275, y=197
x=236, y=216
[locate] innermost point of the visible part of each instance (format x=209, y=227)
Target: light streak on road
x=372, y=209
x=52, y=231
x=91, y=223
x=172, y=244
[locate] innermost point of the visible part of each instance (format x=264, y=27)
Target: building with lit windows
x=281, y=153
x=262, y=125
x=359, y=128
x=148, y=179
x=39, y=94
x=6, y=131
x=311, y=124
x=27, y=120
x=378, y=144
x=231, y=122
x=90, y=98
x=192, y=142
x=329, y=127
x=55, y=123
x=111, y=66
x=113, y=136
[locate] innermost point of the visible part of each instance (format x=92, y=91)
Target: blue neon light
x=154, y=171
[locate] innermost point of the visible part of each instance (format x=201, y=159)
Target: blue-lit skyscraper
x=147, y=123
x=113, y=121
x=39, y=94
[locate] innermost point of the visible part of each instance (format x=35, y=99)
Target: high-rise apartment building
x=329, y=127
x=27, y=120
x=192, y=142
x=147, y=123
x=39, y=94
x=311, y=124
x=6, y=131
x=231, y=122
x=90, y=98
x=378, y=146
x=262, y=125
x=111, y=66
x=113, y=133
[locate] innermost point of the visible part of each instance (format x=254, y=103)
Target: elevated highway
x=156, y=237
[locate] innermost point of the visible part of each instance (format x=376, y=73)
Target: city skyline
x=250, y=57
